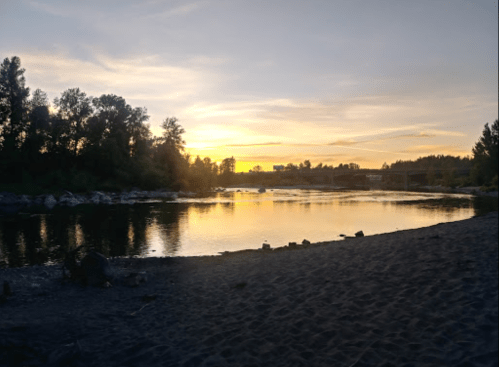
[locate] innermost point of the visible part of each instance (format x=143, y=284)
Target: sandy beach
x=424, y=297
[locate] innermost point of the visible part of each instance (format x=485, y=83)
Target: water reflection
x=225, y=221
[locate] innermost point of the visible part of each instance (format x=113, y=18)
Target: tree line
x=444, y=169
x=84, y=143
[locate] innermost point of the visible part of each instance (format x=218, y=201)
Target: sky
x=276, y=82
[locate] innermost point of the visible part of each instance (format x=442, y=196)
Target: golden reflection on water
x=246, y=222
x=228, y=221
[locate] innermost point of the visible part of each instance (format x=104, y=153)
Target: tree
x=39, y=122
x=228, y=166
x=172, y=133
x=168, y=152
x=485, y=155
x=385, y=166
x=75, y=108
x=13, y=103
x=257, y=169
x=227, y=170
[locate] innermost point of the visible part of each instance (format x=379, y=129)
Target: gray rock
x=25, y=200
x=125, y=199
x=49, y=201
x=7, y=198
x=292, y=244
x=69, y=200
x=94, y=199
x=105, y=199
x=38, y=200
x=359, y=234
x=265, y=246
x=305, y=242
x=261, y=190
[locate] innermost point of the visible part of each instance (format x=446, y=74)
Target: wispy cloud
x=254, y=145
x=436, y=149
x=179, y=10
x=61, y=11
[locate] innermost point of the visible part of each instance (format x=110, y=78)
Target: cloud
x=179, y=10
x=140, y=80
x=59, y=10
x=437, y=149
x=344, y=143
x=254, y=145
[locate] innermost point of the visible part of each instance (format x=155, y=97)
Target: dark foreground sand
x=425, y=297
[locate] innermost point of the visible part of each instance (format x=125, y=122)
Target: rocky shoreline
x=49, y=201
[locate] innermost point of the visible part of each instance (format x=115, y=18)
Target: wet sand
x=424, y=297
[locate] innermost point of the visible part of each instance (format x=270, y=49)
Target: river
x=228, y=221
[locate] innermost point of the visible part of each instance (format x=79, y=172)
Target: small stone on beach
x=359, y=234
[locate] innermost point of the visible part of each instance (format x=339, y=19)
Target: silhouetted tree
x=74, y=107
x=13, y=103
x=39, y=122
x=485, y=155
x=227, y=170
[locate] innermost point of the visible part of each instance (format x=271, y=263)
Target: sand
x=425, y=297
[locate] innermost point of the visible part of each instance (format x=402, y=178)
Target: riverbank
x=425, y=297
x=470, y=190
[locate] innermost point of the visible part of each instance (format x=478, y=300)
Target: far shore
x=471, y=190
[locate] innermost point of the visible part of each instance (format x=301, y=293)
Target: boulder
x=265, y=246
x=69, y=200
x=305, y=242
x=261, y=190
x=25, y=200
x=134, y=279
x=95, y=199
x=292, y=244
x=96, y=269
x=7, y=198
x=359, y=234
x=49, y=201
x=125, y=199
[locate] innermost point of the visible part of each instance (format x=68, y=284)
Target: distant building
x=279, y=167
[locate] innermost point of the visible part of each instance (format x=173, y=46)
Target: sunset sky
x=273, y=82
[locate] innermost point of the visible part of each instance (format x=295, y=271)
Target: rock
x=25, y=200
x=105, y=199
x=305, y=242
x=7, y=198
x=69, y=200
x=265, y=246
x=125, y=199
x=359, y=234
x=49, y=201
x=261, y=190
x=134, y=279
x=343, y=235
x=292, y=244
x=95, y=199
x=96, y=269
x=38, y=200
